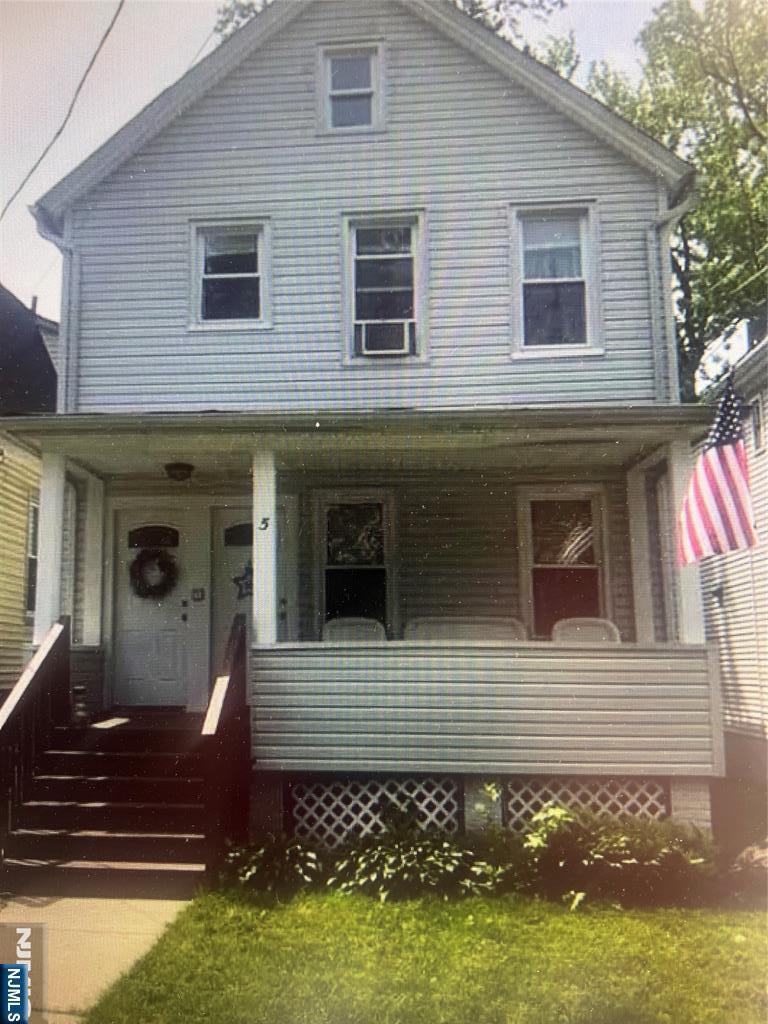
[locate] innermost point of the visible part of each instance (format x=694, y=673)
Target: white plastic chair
x=465, y=627
x=585, y=631
x=351, y=628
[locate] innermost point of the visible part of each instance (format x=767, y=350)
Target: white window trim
x=323, y=86
x=33, y=503
x=262, y=228
x=417, y=221
x=591, y=264
x=321, y=500
x=564, y=492
x=756, y=425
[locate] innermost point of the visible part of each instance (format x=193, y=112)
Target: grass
x=331, y=959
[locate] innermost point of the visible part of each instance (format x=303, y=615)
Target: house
x=735, y=591
x=367, y=317
x=27, y=385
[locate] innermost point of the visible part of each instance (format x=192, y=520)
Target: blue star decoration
x=244, y=582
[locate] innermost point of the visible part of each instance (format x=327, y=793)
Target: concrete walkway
x=90, y=943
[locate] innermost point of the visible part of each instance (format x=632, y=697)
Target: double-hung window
x=562, y=555
x=556, y=288
x=384, y=287
x=350, y=88
x=230, y=278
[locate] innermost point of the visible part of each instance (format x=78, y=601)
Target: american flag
x=717, y=511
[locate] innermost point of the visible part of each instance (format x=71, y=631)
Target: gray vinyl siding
x=462, y=145
x=456, y=544
x=739, y=621
x=485, y=708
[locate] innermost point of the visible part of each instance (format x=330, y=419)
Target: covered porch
x=533, y=516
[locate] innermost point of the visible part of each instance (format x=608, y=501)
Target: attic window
x=350, y=86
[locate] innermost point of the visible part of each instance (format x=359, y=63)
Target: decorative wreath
x=166, y=564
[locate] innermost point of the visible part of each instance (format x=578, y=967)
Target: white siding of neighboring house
x=739, y=620
x=462, y=144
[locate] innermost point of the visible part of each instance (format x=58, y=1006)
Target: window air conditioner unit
x=385, y=337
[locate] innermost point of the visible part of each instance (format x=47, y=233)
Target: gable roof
x=27, y=376
x=444, y=16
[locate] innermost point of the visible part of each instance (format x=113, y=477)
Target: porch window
x=354, y=571
x=562, y=561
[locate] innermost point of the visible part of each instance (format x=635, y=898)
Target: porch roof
x=222, y=442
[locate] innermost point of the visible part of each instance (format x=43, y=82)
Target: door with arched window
x=161, y=624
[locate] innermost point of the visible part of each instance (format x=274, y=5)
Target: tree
x=704, y=94
x=500, y=16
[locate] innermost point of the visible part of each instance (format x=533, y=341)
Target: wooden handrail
x=225, y=744
x=39, y=701
x=30, y=675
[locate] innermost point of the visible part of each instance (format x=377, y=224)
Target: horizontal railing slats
x=644, y=709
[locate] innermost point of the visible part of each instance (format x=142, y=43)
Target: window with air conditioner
x=384, y=289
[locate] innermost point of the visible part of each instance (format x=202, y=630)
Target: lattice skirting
x=641, y=798
x=332, y=812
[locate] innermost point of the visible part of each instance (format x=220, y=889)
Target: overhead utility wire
x=63, y=124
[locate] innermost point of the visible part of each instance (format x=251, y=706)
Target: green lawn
x=331, y=959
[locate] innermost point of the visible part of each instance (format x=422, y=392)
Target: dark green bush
x=394, y=866
x=278, y=865
x=632, y=861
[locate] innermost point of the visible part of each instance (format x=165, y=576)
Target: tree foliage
x=704, y=94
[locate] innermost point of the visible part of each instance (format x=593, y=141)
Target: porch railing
x=487, y=708
x=226, y=751
x=39, y=701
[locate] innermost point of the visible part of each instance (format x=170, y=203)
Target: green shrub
x=409, y=866
x=634, y=861
x=278, y=865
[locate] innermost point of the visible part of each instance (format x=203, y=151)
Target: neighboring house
x=735, y=589
x=368, y=317
x=27, y=385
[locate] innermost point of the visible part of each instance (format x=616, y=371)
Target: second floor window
x=554, y=285
x=384, y=288
x=230, y=278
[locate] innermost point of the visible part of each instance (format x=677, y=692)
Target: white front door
x=161, y=640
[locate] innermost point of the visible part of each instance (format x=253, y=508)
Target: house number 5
x=264, y=524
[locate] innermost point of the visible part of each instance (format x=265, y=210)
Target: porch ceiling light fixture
x=179, y=470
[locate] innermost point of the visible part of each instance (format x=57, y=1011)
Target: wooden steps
x=116, y=809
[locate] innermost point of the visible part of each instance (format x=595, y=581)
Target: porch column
x=93, y=561
x=50, y=545
x=264, y=548
x=690, y=608
x=641, y=555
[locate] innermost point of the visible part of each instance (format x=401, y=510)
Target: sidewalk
x=90, y=943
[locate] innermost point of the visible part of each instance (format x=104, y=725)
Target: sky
x=45, y=46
